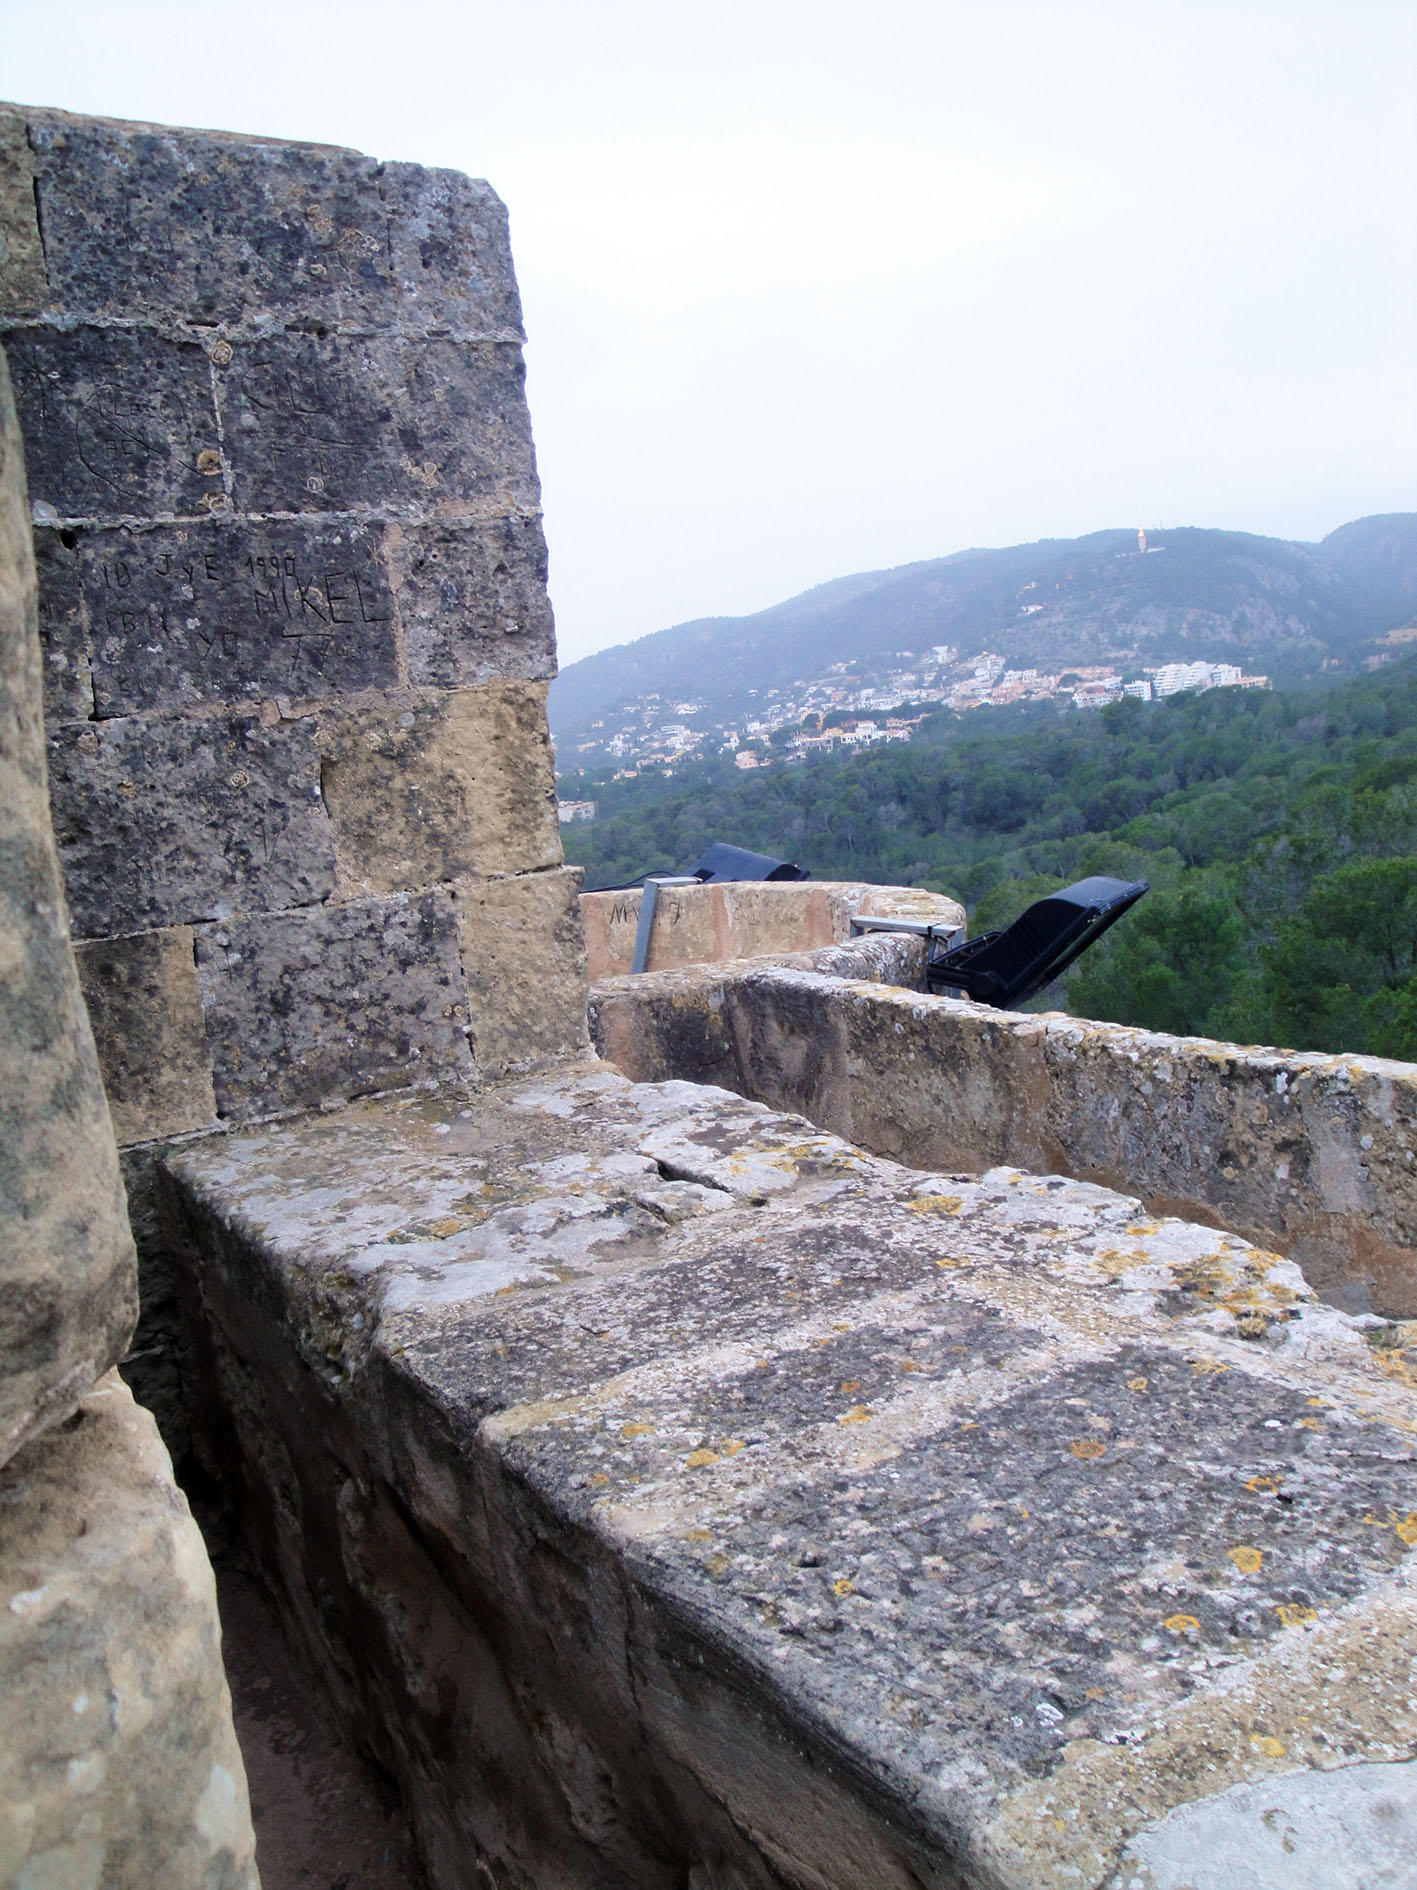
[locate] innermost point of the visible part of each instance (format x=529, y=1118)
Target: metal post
x=649, y=899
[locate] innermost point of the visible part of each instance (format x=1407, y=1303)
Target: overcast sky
x=816, y=286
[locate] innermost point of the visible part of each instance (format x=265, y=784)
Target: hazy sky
x=814, y=286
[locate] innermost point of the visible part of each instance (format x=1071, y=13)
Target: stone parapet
x=672, y=1493
x=118, y=1763
x=1312, y=1155
x=696, y=925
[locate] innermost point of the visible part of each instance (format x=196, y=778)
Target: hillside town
x=853, y=704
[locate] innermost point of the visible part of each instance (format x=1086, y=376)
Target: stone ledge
x=118, y=1764
x=710, y=1501
x=1313, y=1155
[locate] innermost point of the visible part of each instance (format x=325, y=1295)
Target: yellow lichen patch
x=1397, y=1365
x=1139, y=1383
x=1181, y=1624
x=1310, y=1424
x=909, y=1365
x=858, y=1414
x=1094, y=1693
x=1207, y=1367
x=733, y=1446
x=1114, y=1261
x=1144, y=1227
x=968, y=1424
x=1246, y=1559
x=1295, y=1614
x=1087, y=1448
x=1322, y=1403
x=843, y=1587
x=599, y=1480
x=699, y=1459
x=1271, y=1747
x=951, y=1263
x=1265, y=1483
x=1406, y=1526
x=444, y=1229
x=935, y=1204
x=716, y=1564
x=839, y=1328
x=502, y=1291
x=698, y=1535
x=849, y=1385
x=637, y=1430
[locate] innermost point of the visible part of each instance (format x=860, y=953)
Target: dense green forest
x=1278, y=830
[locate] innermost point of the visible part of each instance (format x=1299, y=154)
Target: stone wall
x=295, y=625
x=699, y=925
x=1313, y=1156
x=118, y=1761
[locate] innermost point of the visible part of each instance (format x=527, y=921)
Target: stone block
x=310, y=1007
x=523, y=956
x=63, y=631
x=118, y=1763
x=472, y=602
x=450, y=250
x=450, y=786
x=246, y=228
x=344, y=422
x=164, y=823
x=24, y=284
x=117, y=422
x=236, y=613
x=68, y=1285
x=146, y=1012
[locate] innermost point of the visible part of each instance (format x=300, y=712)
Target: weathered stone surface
x=63, y=632
x=413, y=426
x=472, y=602
x=22, y=272
x=710, y=1502
x=523, y=956
x=1305, y=1831
x=146, y=1012
x=237, y=613
x=450, y=249
x=248, y=227
x=117, y=422
x=308, y=1007
x=163, y=823
x=1310, y=1154
x=67, y=1275
x=441, y=787
x=118, y=1763
x=699, y=925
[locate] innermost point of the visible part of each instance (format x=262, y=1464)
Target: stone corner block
x=524, y=959
x=306, y=1008
x=472, y=602
x=146, y=1011
x=447, y=787
x=118, y=1759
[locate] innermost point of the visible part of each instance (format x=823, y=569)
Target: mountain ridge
x=1290, y=607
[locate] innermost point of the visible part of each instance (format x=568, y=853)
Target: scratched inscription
x=115, y=422
x=345, y=422
x=236, y=613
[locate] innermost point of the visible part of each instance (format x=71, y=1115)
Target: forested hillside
x=1278, y=830
x=1269, y=604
